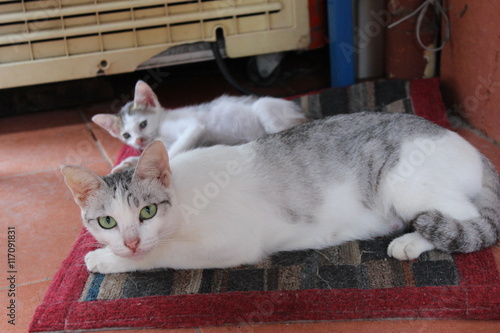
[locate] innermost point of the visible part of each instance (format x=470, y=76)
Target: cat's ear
x=82, y=182
x=154, y=163
x=144, y=96
x=109, y=122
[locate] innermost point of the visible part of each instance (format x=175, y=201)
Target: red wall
x=470, y=64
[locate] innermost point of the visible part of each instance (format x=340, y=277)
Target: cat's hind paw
x=409, y=246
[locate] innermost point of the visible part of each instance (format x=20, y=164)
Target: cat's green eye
x=143, y=124
x=106, y=222
x=147, y=212
x=126, y=136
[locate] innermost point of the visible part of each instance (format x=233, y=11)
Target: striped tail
x=451, y=235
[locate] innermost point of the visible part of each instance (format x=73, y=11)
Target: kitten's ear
x=109, y=122
x=154, y=163
x=144, y=95
x=82, y=182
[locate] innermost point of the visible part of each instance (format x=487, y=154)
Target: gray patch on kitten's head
x=131, y=116
x=132, y=108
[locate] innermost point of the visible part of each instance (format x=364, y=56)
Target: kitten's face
x=128, y=211
x=129, y=215
x=138, y=121
x=139, y=126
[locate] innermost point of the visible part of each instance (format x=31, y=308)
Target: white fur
x=446, y=178
x=409, y=246
x=226, y=120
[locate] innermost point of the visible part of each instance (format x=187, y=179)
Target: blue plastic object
x=342, y=49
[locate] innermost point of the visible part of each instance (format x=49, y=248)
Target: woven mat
x=352, y=281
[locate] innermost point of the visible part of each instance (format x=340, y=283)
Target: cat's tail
x=277, y=114
x=451, y=235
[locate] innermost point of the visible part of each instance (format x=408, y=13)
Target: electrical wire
x=421, y=10
x=224, y=70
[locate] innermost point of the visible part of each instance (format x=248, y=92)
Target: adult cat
x=226, y=120
x=323, y=183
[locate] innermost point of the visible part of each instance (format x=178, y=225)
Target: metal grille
x=83, y=38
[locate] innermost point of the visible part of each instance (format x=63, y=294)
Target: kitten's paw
x=409, y=246
x=129, y=162
x=102, y=261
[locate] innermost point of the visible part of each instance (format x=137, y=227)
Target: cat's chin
x=133, y=255
x=143, y=145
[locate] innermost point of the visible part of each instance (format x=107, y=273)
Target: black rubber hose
x=224, y=70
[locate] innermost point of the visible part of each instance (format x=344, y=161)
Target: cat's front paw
x=102, y=261
x=409, y=246
x=129, y=162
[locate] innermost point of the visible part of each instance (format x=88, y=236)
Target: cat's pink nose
x=133, y=244
x=139, y=141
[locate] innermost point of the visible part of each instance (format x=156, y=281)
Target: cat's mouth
x=128, y=253
x=137, y=255
x=142, y=143
x=141, y=146
x=134, y=255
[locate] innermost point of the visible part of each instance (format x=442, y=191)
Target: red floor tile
x=180, y=330
x=111, y=145
x=44, y=141
x=382, y=326
x=28, y=297
x=46, y=220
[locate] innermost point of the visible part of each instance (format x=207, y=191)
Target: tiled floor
x=34, y=199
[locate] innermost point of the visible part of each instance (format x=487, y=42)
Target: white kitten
x=226, y=120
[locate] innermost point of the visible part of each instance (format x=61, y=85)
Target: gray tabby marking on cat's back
x=368, y=145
